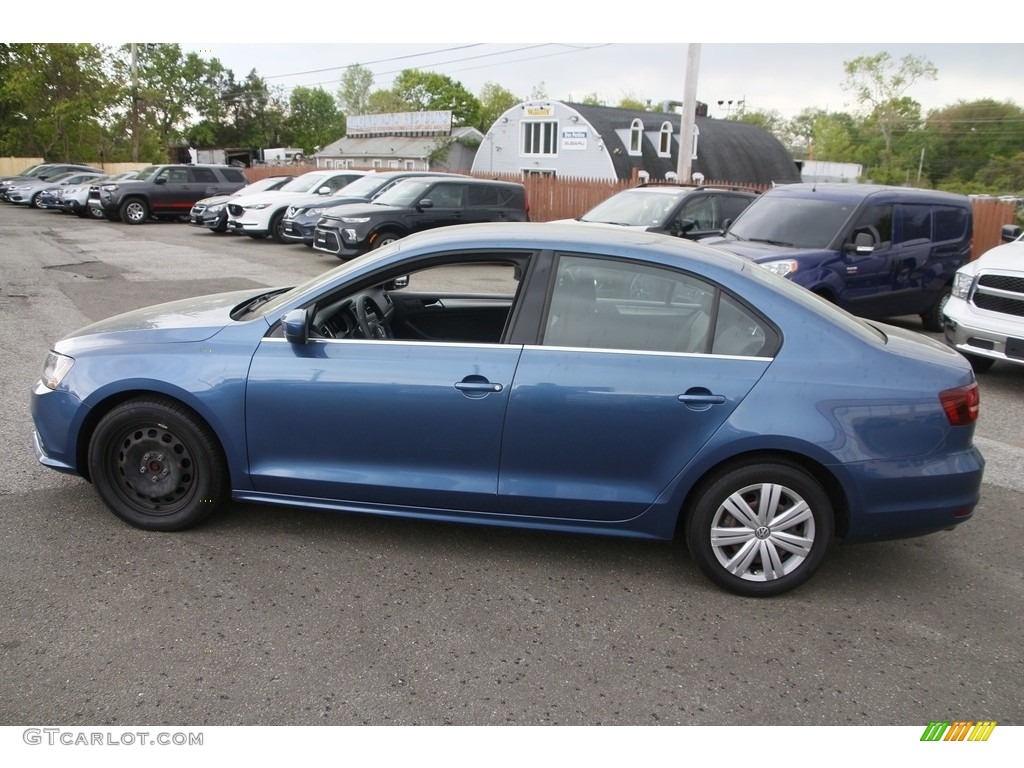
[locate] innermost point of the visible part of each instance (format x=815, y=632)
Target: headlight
x=355, y=219
x=781, y=268
x=108, y=187
x=256, y=206
x=962, y=283
x=216, y=208
x=56, y=368
x=314, y=211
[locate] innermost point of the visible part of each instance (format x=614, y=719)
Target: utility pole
x=135, y=103
x=684, y=166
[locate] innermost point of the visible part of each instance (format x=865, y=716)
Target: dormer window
x=636, y=137
x=665, y=140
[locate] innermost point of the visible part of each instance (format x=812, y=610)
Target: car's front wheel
x=134, y=211
x=760, y=529
x=157, y=465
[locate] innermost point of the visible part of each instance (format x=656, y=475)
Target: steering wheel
x=372, y=322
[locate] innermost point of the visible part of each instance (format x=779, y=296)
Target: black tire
x=387, y=237
x=157, y=466
x=932, y=319
x=774, y=492
x=134, y=210
x=33, y=202
x=276, y=227
x=980, y=364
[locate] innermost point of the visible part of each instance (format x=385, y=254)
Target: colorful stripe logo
x=958, y=730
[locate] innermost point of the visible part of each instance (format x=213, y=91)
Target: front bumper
x=974, y=331
x=297, y=231
x=345, y=244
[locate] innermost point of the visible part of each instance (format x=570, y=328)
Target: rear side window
x=950, y=222
x=204, y=176
x=481, y=195
x=234, y=175
x=917, y=222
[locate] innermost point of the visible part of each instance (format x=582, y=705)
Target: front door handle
x=477, y=386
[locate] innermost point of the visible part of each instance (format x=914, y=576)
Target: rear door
x=637, y=368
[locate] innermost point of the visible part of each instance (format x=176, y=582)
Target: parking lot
x=270, y=616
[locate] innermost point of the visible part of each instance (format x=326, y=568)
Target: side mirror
x=296, y=327
x=160, y=180
x=426, y=202
x=324, y=191
x=863, y=244
x=399, y=282
x=1010, y=232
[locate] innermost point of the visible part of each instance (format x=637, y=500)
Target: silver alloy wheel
x=135, y=212
x=762, y=532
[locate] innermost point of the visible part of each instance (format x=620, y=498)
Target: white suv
x=260, y=215
x=984, y=317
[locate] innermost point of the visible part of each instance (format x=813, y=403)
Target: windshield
x=364, y=186
x=307, y=182
x=793, y=221
x=634, y=208
x=261, y=185
x=404, y=194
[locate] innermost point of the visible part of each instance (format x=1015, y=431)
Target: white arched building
x=585, y=141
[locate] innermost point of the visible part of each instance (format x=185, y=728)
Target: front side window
x=876, y=222
x=539, y=137
x=604, y=304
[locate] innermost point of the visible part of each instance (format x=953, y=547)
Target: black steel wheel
x=157, y=465
x=760, y=529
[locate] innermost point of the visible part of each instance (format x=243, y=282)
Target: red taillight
x=961, y=404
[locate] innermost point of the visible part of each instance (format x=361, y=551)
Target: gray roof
x=399, y=146
x=727, y=150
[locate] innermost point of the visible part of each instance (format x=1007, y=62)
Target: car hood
x=186, y=320
x=288, y=198
x=760, y=252
x=1008, y=257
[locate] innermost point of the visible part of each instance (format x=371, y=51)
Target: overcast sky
x=786, y=55
x=784, y=77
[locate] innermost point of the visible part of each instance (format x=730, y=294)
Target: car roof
x=856, y=192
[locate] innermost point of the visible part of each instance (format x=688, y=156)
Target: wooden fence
x=990, y=214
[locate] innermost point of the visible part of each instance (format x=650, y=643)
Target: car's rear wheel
x=932, y=319
x=760, y=529
x=134, y=211
x=157, y=465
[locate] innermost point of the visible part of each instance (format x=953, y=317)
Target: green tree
x=769, y=119
x=354, y=90
x=313, y=119
x=427, y=91
x=54, y=100
x=256, y=115
x=966, y=137
x=630, y=101
x=494, y=102
x=879, y=84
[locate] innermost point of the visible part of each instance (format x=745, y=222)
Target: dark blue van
x=876, y=251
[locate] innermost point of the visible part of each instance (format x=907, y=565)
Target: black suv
x=671, y=209
x=163, y=191
x=300, y=221
x=417, y=204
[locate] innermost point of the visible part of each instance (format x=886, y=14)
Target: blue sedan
x=540, y=376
